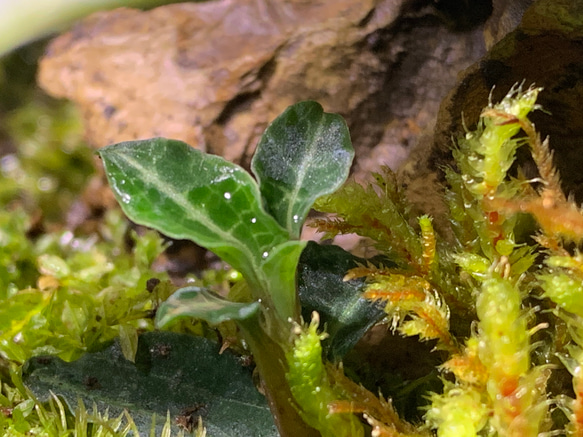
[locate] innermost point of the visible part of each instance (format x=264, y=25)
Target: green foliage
x=61, y=292
x=482, y=277
x=311, y=387
x=314, y=162
x=342, y=309
x=187, y=194
x=563, y=284
x=410, y=288
x=384, y=218
x=485, y=155
x=17, y=254
x=458, y=412
x=498, y=308
x=82, y=302
x=51, y=159
x=23, y=415
x=184, y=193
x=82, y=298
x=175, y=374
x=505, y=353
x=199, y=303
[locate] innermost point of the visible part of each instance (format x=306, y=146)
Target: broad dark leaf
x=304, y=154
x=346, y=315
x=181, y=374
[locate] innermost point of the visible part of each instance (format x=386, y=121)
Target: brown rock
x=506, y=16
x=214, y=74
x=545, y=50
x=206, y=73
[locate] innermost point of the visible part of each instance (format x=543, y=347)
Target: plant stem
x=270, y=359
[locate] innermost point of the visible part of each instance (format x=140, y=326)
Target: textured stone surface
x=214, y=74
x=545, y=50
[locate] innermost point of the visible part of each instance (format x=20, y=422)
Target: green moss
x=51, y=163
x=483, y=276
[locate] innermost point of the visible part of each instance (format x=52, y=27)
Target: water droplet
x=265, y=254
x=126, y=198
x=227, y=195
x=253, y=220
x=296, y=218
x=46, y=184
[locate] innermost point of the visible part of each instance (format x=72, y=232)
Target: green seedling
x=252, y=224
x=505, y=314
x=470, y=294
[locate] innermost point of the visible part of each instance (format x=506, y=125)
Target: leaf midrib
x=147, y=178
x=301, y=172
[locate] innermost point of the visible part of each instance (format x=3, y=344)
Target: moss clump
x=482, y=276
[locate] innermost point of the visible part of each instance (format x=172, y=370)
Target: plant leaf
x=202, y=304
x=15, y=313
x=128, y=340
x=178, y=373
x=345, y=313
x=279, y=269
x=304, y=154
x=187, y=194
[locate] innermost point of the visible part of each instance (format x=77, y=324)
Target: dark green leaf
x=202, y=304
x=187, y=194
x=177, y=373
x=346, y=315
x=304, y=154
